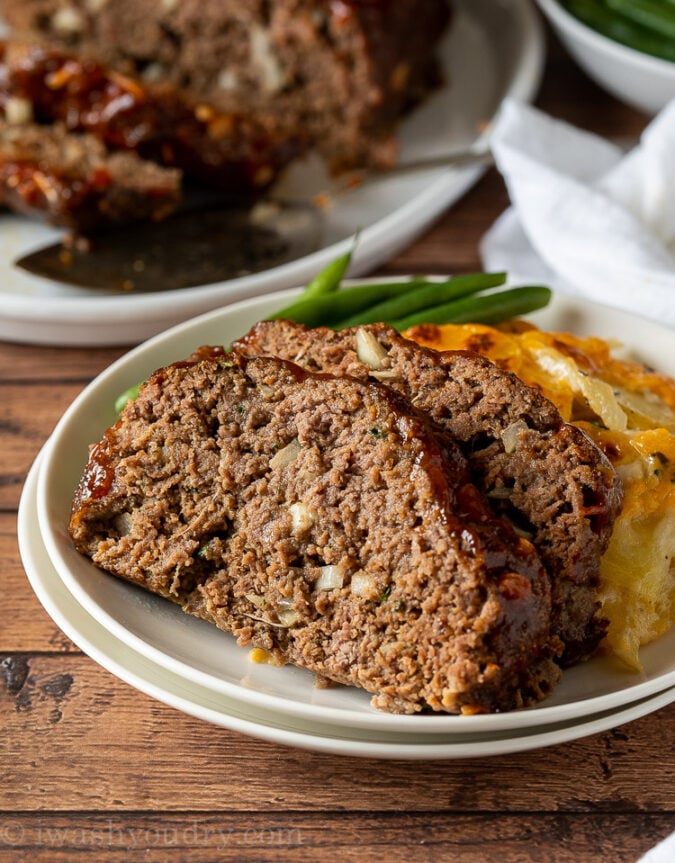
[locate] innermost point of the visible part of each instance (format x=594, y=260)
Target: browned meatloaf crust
x=340, y=71
x=544, y=474
x=72, y=181
x=239, y=154
x=230, y=486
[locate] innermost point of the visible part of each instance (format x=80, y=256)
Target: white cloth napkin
x=586, y=218
x=664, y=852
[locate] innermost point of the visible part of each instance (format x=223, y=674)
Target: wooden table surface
x=94, y=770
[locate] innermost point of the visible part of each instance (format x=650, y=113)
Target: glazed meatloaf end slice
x=238, y=154
x=318, y=518
x=72, y=181
x=341, y=72
x=543, y=474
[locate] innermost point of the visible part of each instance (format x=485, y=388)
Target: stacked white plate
x=194, y=667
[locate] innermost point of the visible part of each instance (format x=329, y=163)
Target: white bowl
x=640, y=80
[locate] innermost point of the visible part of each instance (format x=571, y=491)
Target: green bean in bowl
x=625, y=46
x=645, y=25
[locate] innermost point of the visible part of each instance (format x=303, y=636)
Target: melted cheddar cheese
x=629, y=411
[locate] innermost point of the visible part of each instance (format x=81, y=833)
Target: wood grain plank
x=31, y=363
x=29, y=415
x=68, y=721
x=25, y=626
x=315, y=837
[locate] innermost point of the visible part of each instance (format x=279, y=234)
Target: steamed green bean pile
x=645, y=25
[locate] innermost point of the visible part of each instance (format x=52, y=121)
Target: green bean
x=649, y=14
x=596, y=15
x=330, y=278
x=329, y=309
x=127, y=396
x=488, y=309
x=424, y=297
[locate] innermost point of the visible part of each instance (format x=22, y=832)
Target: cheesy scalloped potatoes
x=629, y=411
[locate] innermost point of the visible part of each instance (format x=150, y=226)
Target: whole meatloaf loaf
x=542, y=473
x=321, y=519
x=74, y=182
x=341, y=72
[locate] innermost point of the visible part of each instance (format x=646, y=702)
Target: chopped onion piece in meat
x=258, y=601
x=363, y=584
x=285, y=455
x=123, y=523
x=500, y=493
x=288, y=617
x=330, y=578
x=369, y=350
x=510, y=434
x=302, y=517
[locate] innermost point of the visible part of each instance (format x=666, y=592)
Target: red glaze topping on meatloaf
x=72, y=181
x=237, y=153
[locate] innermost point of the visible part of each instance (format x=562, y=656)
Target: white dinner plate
x=259, y=721
x=495, y=49
x=200, y=652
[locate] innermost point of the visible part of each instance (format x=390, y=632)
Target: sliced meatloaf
x=340, y=72
x=545, y=475
x=236, y=153
x=73, y=181
x=321, y=519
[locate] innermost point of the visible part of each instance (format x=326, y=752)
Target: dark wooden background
x=93, y=770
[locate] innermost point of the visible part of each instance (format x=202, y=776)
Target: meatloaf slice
x=319, y=518
x=340, y=72
x=238, y=154
x=542, y=473
x=73, y=181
